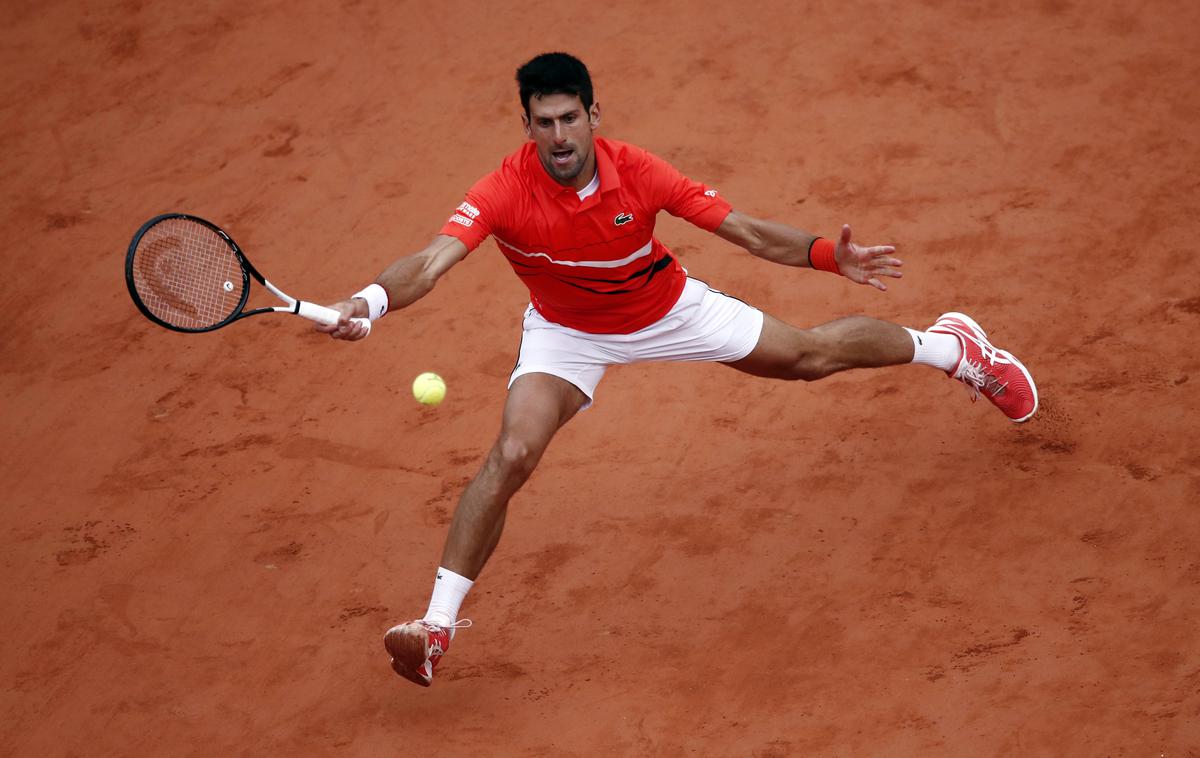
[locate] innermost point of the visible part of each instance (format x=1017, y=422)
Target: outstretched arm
x=406, y=281
x=784, y=244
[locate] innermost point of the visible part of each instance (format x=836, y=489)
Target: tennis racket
x=188, y=275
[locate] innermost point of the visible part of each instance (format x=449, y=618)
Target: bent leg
x=536, y=408
x=786, y=352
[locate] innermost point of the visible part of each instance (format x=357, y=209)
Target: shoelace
x=974, y=374
x=977, y=379
x=460, y=624
x=435, y=647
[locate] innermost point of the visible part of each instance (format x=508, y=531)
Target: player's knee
x=804, y=357
x=515, y=457
x=810, y=368
x=814, y=358
x=806, y=365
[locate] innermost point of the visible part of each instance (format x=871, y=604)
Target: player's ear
x=525, y=125
x=594, y=115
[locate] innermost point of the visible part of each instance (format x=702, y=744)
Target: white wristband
x=377, y=300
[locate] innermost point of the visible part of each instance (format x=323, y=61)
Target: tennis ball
x=428, y=388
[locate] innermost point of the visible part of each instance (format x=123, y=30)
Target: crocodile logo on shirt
x=623, y=218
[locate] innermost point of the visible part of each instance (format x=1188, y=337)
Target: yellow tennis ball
x=428, y=388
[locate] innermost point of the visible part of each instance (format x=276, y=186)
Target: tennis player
x=574, y=215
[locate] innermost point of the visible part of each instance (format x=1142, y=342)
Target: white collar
x=591, y=187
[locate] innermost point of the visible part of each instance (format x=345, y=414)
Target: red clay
x=205, y=537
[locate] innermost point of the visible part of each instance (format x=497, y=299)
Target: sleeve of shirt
x=481, y=212
x=678, y=195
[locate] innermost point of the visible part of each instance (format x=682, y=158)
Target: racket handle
x=326, y=316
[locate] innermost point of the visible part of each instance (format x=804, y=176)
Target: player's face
x=562, y=130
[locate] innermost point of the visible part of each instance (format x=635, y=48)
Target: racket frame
x=310, y=311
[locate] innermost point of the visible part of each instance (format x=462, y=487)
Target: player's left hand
x=865, y=265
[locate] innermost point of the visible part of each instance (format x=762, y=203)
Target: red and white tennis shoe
x=416, y=648
x=988, y=370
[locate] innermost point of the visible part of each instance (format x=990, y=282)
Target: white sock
x=935, y=349
x=449, y=591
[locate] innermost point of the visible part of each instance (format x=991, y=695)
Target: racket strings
x=187, y=275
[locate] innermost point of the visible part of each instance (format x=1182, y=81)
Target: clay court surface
x=205, y=537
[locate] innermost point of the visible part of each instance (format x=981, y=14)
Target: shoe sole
x=405, y=647
x=970, y=322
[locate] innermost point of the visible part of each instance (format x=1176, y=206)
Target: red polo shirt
x=594, y=264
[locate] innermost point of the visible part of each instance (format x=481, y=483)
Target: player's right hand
x=345, y=329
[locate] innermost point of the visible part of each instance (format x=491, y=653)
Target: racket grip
x=323, y=315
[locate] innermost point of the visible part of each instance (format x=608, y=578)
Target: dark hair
x=554, y=74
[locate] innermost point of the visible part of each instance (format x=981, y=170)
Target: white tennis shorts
x=705, y=325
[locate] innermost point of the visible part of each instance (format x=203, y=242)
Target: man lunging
x=574, y=215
